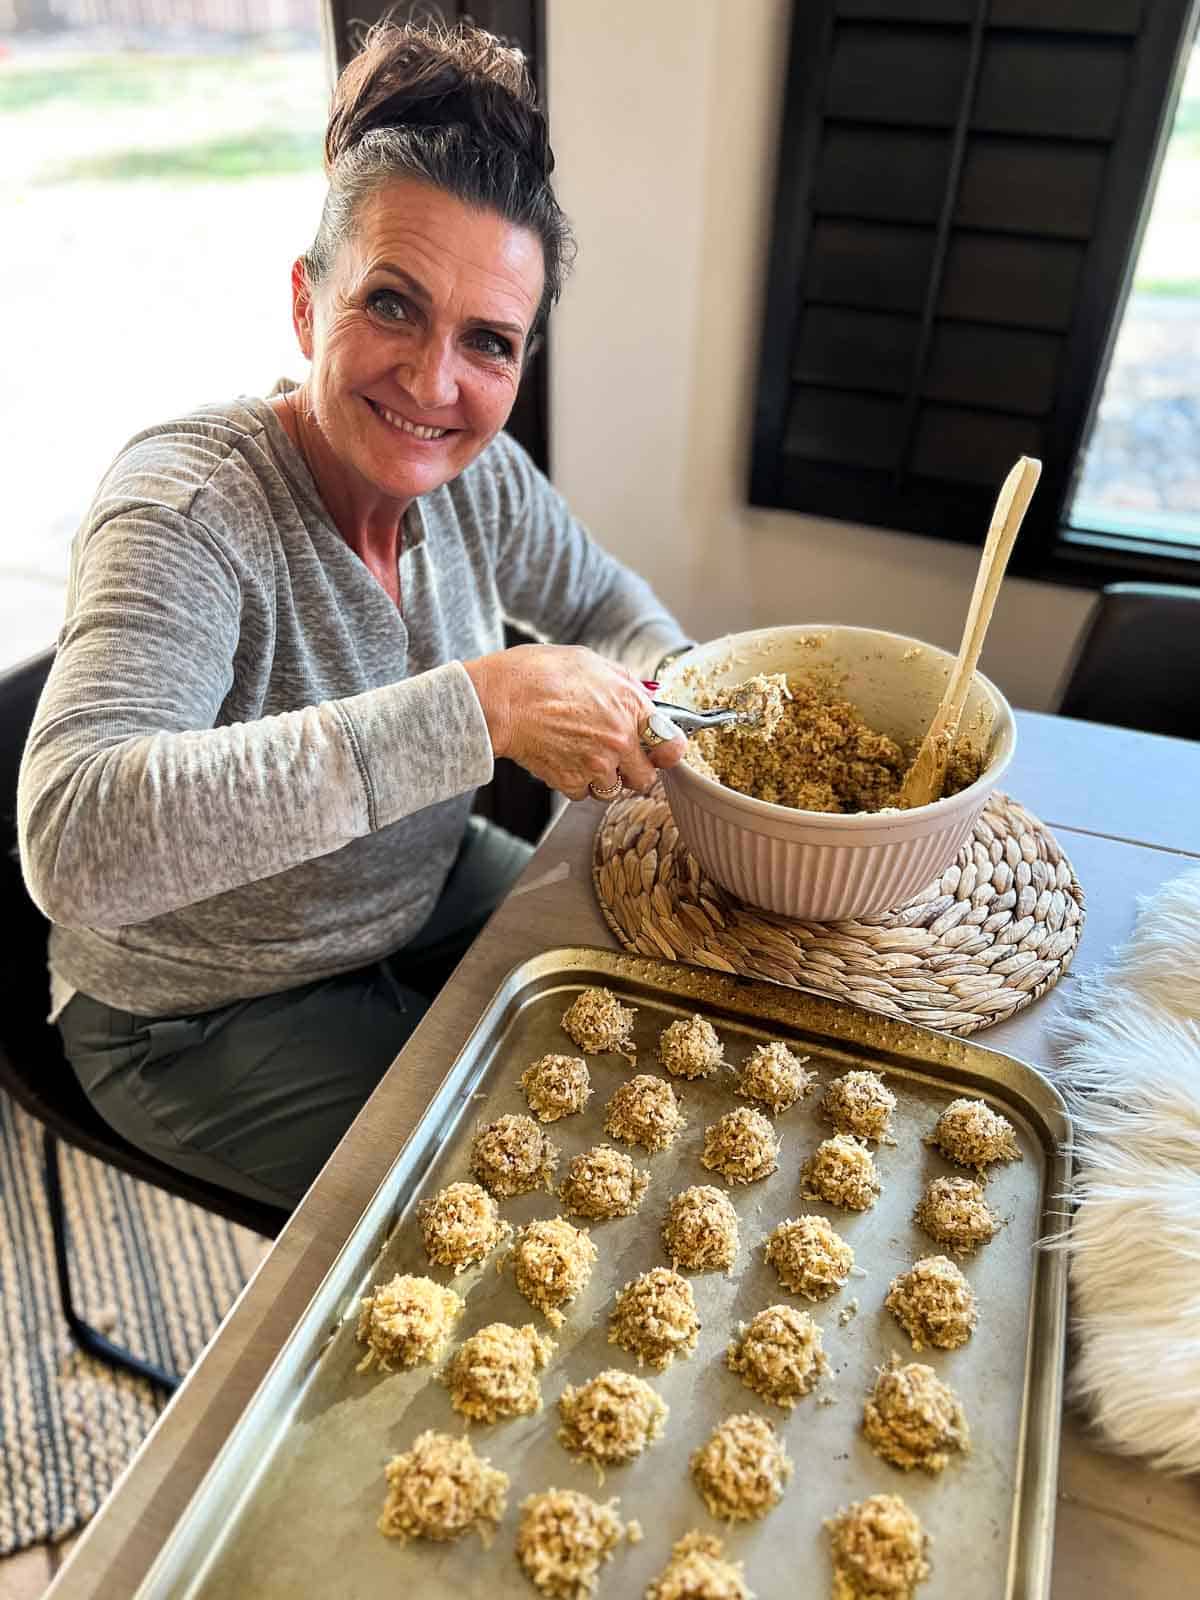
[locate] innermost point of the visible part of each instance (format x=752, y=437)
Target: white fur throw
x=1130, y=1071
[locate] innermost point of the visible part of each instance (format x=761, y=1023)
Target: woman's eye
x=491, y=344
x=389, y=305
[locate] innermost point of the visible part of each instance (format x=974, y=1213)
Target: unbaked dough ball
x=600, y=1025
x=742, y=1469
x=778, y=1355
x=775, y=1077
x=440, y=1489
x=954, y=1212
x=912, y=1419
x=655, y=1318
x=552, y=1262
x=841, y=1171
x=697, y=1570
x=563, y=1540
x=460, y=1225
x=610, y=1419
x=971, y=1133
x=701, y=1230
x=742, y=1146
x=513, y=1156
x=691, y=1048
x=861, y=1103
x=406, y=1321
x=494, y=1372
x=878, y=1548
x=603, y=1183
x=644, y=1111
x=810, y=1258
x=934, y=1304
x=556, y=1086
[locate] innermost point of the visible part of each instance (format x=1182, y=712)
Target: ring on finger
x=607, y=791
x=657, y=729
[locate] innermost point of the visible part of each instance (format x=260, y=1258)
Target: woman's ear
x=302, y=307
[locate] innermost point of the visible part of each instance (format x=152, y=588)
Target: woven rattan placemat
x=997, y=930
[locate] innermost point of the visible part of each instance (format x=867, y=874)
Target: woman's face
x=417, y=338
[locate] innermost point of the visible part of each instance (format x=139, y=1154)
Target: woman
x=244, y=802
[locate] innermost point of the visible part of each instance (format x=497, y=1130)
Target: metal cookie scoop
x=689, y=720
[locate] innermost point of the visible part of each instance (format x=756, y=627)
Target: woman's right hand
x=570, y=717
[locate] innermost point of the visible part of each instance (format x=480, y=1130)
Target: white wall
x=664, y=117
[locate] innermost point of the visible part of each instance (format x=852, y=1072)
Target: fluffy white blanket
x=1130, y=1070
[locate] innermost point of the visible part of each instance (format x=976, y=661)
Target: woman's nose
x=429, y=375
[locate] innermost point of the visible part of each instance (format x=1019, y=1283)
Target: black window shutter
x=959, y=194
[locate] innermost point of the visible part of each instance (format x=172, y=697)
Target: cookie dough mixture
x=971, y=1133
x=440, y=1489
x=691, y=1049
x=701, y=1230
x=644, y=1111
x=841, y=1171
x=878, y=1548
x=741, y=1146
x=742, y=1468
x=778, y=1355
x=912, y=1419
x=556, y=1086
x=655, y=1318
x=460, y=1225
x=406, y=1321
x=611, y=1419
x=603, y=1183
x=934, y=1304
x=600, y=1025
x=563, y=1540
x=697, y=1571
x=552, y=1262
x=861, y=1103
x=954, y=1212
x=762, y=697
x=774, y=1076
x=810, y=1258
x=513, y=1156
x=494, y=1372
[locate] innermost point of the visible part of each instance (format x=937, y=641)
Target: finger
x=669, y=754
x=636, y=769
x=576, y=794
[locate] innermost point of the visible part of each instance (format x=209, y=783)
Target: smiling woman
x=245, y=800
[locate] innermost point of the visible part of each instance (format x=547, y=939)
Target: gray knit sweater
x=248, y=769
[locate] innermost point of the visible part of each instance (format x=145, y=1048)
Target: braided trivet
x=997, y=929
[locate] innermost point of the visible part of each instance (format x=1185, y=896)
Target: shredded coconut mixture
x=563, y=1540
x=878, y=1548
x=645, y=1111
x=954, y=1212
x=556, y=1086
x=460, y=1225
x=778, y=1355
x=603, y=1183
x=971, y=1133
x=406, y=1321
x=440, y=1489
x=552, y=1262
x=701, y=1230
x=934, y=1304
x=861, y=1103
x=841, y=1171
x=513, y=1156
x=655, y=1318
x=494, y=1372
x=742, y=1146
x=912, y=1419
x=810, y=1258
x=611, y=1419
x=600, y=1025
x=774, y=1076
x=691, y=1048
x=742, y=1468
x=697, y=1571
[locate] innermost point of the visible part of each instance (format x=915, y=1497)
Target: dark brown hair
x=451, y=107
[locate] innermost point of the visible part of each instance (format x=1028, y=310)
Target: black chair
x=32, y=1066
x=1137, y=663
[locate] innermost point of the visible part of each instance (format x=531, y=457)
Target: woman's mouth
x=402, y=425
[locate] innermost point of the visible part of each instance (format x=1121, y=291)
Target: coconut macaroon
x=742, y=1146
x=774, y=1076
x=552, y=1263
x=810, y=1258
x=691, y=1048
x=460, y=1225
x=701, y=1230
x=440, y=1489
x=954, y=1212
x=861, y=1103
x=655, y=1318
x=912, y=1419
x=878, y=1548
x=494, y=1372
x=934, y=1304
x=556, y=1086
x=563, y=1540
x=841, y=1171
x=406, y=1321
x=644, y=1111
x=600, y=1025
x=513, y=1156
x=603, y=1183
x=697, y=1570
x=741, y=1469
x=610, y=1419
x=971, y=1133
x=778, y=1355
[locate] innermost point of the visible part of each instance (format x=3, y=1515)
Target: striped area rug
x=151, y=1271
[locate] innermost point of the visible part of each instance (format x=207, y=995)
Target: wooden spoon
x=926, y=777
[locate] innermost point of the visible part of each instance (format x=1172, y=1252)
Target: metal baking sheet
x=289, y=1507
